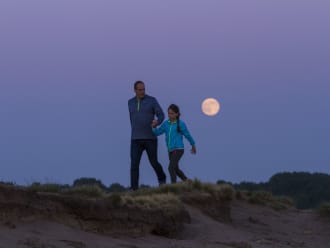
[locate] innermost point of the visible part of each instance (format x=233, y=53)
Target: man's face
x=139, y=90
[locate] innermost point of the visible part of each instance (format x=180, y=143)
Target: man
x=142, y=110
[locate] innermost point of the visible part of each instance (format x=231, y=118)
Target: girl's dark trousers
x=173, y=167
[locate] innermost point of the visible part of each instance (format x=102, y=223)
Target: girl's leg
x=173, y=167
x=180, y=174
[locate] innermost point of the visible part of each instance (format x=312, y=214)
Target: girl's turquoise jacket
x=173, y=138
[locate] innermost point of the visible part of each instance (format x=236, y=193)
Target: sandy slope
x=252, y=226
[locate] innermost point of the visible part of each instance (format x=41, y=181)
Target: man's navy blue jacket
x=142, y=112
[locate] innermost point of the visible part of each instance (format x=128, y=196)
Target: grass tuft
x=218, y=191
x=85, y=190
x=166, y=196
x=47, y=187
x=7, y=183
x=266, y=198
x=324, y=210
x=114, y=200
x=260, y=197
x=154, y=201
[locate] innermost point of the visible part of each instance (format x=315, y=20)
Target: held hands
x=154, y=123
x=193, y=149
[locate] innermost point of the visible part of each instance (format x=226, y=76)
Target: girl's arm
x=160, y=130
x=188, y=136
x=186, y=133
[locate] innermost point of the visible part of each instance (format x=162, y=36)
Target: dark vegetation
x=306, y=190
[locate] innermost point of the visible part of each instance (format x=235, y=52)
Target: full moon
x=210, y=106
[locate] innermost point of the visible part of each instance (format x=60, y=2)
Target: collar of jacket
x=169, y=121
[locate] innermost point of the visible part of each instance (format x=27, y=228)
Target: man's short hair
x=138, y=82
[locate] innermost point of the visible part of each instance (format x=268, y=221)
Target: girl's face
x=172, y=115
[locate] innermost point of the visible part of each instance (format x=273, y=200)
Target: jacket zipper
x=169, y=137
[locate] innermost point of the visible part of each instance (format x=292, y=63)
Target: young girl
x=174, y=130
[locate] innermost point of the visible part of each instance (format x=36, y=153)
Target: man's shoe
x=132, y=189
x=162, y=182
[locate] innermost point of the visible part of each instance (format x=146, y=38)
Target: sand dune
x=250, y=225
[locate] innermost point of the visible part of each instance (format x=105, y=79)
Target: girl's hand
x=193, y=149
x=154, y=123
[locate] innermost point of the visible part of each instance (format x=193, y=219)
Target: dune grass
x=93, y=191
x=324, y=210
x=266, y=198
x=170, y=195
x=219, y=191
x=47, y=187
x=260, y=197
x=7, y=183
x=167, y=195
x=155, y=201
x=83, y=190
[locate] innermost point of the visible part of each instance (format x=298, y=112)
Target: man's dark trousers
x=137, y=148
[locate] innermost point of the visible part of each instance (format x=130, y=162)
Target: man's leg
x=136, y=153
x=151, y=148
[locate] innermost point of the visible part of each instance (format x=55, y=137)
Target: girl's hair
x=176, y=110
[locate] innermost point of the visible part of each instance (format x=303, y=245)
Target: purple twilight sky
x=67, y=69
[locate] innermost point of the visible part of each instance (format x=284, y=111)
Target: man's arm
x=159, y=112
x=129, y=112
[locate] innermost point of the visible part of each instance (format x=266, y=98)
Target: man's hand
x=154, y=123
